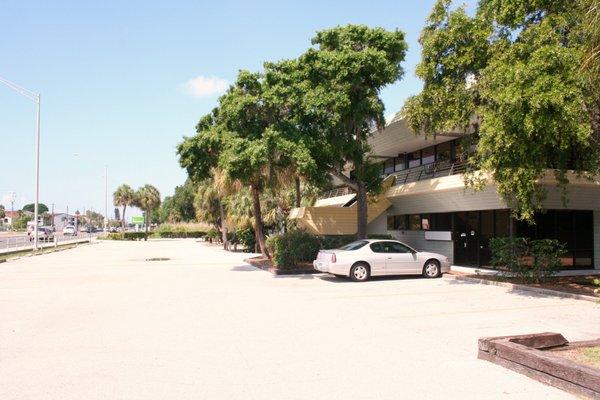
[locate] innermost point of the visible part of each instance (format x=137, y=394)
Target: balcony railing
x=341, y=191
x=429, y=171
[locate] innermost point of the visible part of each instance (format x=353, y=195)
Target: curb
x=524, y=288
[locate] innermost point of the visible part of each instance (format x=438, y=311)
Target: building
x=426, y=205
x=60, y=220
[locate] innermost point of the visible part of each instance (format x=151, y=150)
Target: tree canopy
x=511, y=74
x=42, y=208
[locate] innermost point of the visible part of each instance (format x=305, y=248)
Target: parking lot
x=102, y=322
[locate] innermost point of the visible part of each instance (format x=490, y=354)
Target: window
x=395, y=247
x=426, y=222
x=441, y=222
x=377, y=247
x=391, y=222
x=388, y=166
x=400, y=162
x=428, y=155
x=400, y=222
x=414, y=159
x=443, y=151
x=414, y=222
x=354, y=245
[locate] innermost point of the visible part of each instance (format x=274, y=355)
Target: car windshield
x=354, y=245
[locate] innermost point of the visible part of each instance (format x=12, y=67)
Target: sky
x=122, y=82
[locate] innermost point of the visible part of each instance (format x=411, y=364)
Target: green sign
x=137, y=220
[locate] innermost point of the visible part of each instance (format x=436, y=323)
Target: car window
x=377, y=247
x=395, y=247
x=354, y=245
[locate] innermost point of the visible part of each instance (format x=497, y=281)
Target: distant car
x=69, y=230
x=45, y=234
x=362, y=259
x=88, y=229
x=113, y=229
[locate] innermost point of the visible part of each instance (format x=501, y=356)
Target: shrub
x=124, y=236
x=293, y=247
x=528, y=260
x=246, y=238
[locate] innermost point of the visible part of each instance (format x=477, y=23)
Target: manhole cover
x=158, y=259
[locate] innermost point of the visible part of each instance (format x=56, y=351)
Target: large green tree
x=180, y=206
x=342, y=79
x=510, y=74
x=42, y=208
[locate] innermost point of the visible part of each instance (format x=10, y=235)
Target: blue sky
x=122, y=82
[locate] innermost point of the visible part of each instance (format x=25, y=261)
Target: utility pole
x=52, y=224
x=37, y=99
x=106, y=197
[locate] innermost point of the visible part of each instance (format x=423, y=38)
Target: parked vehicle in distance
x=113, y=229
x=69, y=230
x=362, y=259
x=45, y=234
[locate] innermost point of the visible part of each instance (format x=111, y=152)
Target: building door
x=466, y=238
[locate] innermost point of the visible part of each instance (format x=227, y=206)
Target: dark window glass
x=546, y=225
x=584, y=229
x=354, y=245
x=414, y=159
x=400, y=162
x=377, y=247
x=428, y=155
x=388, y=166
x=441, y=222
x=443, y=151
x=395, y=247
x=400, y=222
x=414, y=222
x=564, y=228
x=425, y=222
x=391, y=222
x=502, y=225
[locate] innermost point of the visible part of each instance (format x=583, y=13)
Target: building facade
x=427, y=205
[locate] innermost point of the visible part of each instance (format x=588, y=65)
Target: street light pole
x=105, y=197
x=37, y=100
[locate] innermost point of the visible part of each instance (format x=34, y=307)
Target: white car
x=69, y=230
x=362, y=259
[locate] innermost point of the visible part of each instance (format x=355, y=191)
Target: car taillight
x=333, y=259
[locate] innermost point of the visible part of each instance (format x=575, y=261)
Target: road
x=101, y=322
x=13, y=240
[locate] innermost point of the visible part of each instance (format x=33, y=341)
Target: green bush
x=246, y=238
x=125, y=236
x=293, y=247
x=178, y=235
x=528, y=260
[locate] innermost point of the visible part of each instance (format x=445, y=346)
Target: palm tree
x=124, y=196
x=148, y=199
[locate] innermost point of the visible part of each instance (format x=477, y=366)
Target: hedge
x=293, y=247
x=124, y=236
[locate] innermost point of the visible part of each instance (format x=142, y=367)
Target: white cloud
x=205, y=86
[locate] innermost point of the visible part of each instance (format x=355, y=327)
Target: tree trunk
x=361, y=211
x=298, y=194
x=223, y=227
x=258, y=222
x=123, y=221
x=146, y=219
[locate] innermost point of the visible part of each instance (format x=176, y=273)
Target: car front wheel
x=359, y=272
x=432, y=269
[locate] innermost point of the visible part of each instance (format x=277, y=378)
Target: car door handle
x=389, y=258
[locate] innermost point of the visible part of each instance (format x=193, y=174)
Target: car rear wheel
x=432, y=269
x=359, y=272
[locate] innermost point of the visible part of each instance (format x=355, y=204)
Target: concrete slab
x=100, y=322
